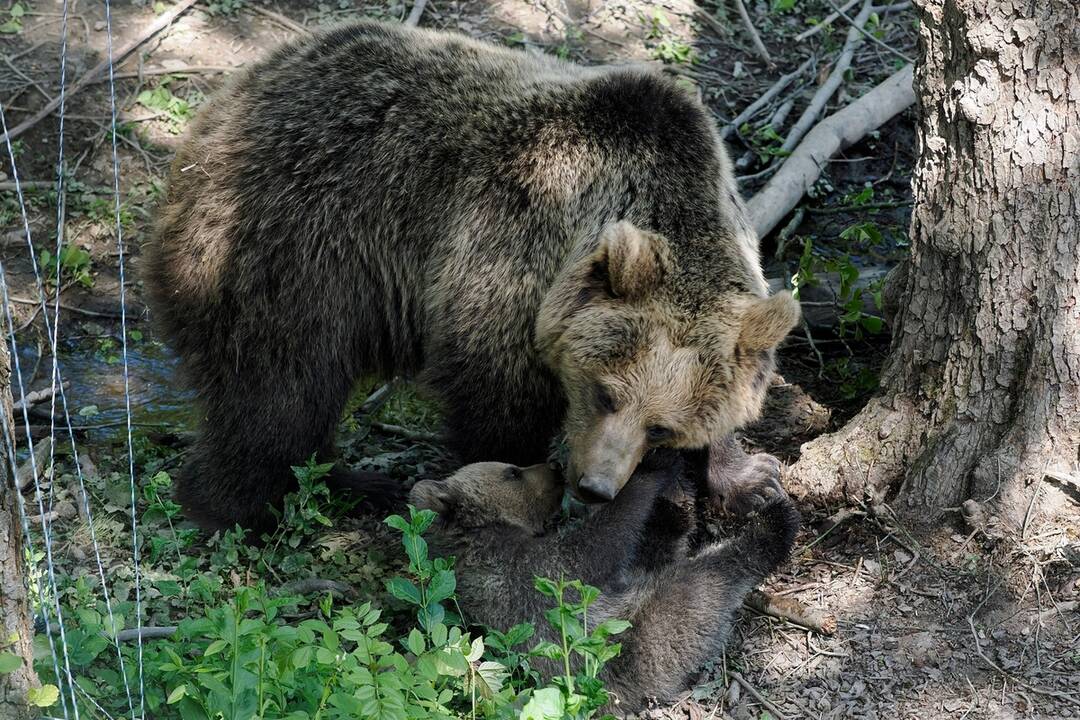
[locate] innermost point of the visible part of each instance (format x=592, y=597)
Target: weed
x=73, y=262
x=176, y=111
x=665, y=46
x=225, y=7
x=14, y=22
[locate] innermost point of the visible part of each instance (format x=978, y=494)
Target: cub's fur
x=545, y=246
x=492, y=516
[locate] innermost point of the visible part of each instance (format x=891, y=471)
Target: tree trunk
x=980, y=395
x=16, y=632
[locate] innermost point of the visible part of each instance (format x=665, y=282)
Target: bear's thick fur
x=492, y=519
x=545, y=246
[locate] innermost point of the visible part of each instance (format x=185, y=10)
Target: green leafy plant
x=576, y=694
x=225, y=7
x=666, y=47
x=176, y=111
x=14, y=22
x=73, y=262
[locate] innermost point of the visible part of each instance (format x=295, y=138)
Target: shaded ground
x=914, y=614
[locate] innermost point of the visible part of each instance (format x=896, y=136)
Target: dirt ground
x=956, y=623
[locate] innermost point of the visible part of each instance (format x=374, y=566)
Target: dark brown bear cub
x=544, y=246
x=491, y=518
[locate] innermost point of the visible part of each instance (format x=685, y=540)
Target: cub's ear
x=630, y=261
x=767, y=321
x=434, y=495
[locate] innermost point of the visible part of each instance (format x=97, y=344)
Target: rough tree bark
x=980, y=394
x=15, y=628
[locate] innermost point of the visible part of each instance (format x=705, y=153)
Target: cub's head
x=491, y=493
x=652, y=354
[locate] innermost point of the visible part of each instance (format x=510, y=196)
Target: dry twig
x=841, y=129
x=159, y=24
x=281, y=20
x=824, y=23
x=414, y=15
x=765, y=98
x=791, y=610
x=752, y=31
x=831, y=84
x=780, y=715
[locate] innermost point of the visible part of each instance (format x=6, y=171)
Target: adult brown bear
x=545, y=246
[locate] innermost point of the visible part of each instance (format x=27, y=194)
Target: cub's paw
x=750, y=487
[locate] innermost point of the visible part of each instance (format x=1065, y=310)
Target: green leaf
x=177, y=695
x=44, y=696
x=491, y=676
x=302, y=656
x=546, y=586
x=545, y=704
x=871, y=323
x=476, y=651
x=403, y=589
x=398, y=523
x=438, y=634
x=9, y=662
x=442, y=586
x=215, y=647
x=611, y=627
x=416, y=642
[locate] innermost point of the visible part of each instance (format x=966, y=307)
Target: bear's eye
x=659, y=433
x=513, y=474
x=604, y=400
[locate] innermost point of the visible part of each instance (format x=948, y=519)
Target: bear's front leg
x=739, y=483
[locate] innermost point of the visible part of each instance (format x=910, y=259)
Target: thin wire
x=52, y=333
x=9, y=444
x=33, y=460
x=54, y=341
x=124, y=347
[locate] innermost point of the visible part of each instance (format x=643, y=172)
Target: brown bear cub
x=492, y=518
x=546, y=247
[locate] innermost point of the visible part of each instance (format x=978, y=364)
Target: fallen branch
x=791, y=610
x=414, y=15
x=32, y=398
x=280, y=19
x=831, y=84
x=408, y=433
x=25, y=475
x=25, y=185
x=841, y=129
x=824, y=23
x=719, y=28
x=70, y=308
x=869, y=36
x=766, y=98
x=159, y=24
x=1067, y=697
x=757, y=696
x=185, y=70
x=754, y=37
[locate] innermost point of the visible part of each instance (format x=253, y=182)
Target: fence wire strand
x=52, y=333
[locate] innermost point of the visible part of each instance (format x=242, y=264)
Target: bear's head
x=489, y=493
x=652, y=354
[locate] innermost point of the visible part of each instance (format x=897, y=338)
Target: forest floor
x=951, y=623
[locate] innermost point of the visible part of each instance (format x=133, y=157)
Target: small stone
x=738, y=70
x=65, y=510
x=99, y=25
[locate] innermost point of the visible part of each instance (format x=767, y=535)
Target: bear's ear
x=434, y=495
x=629, y=261
x=767, y=321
